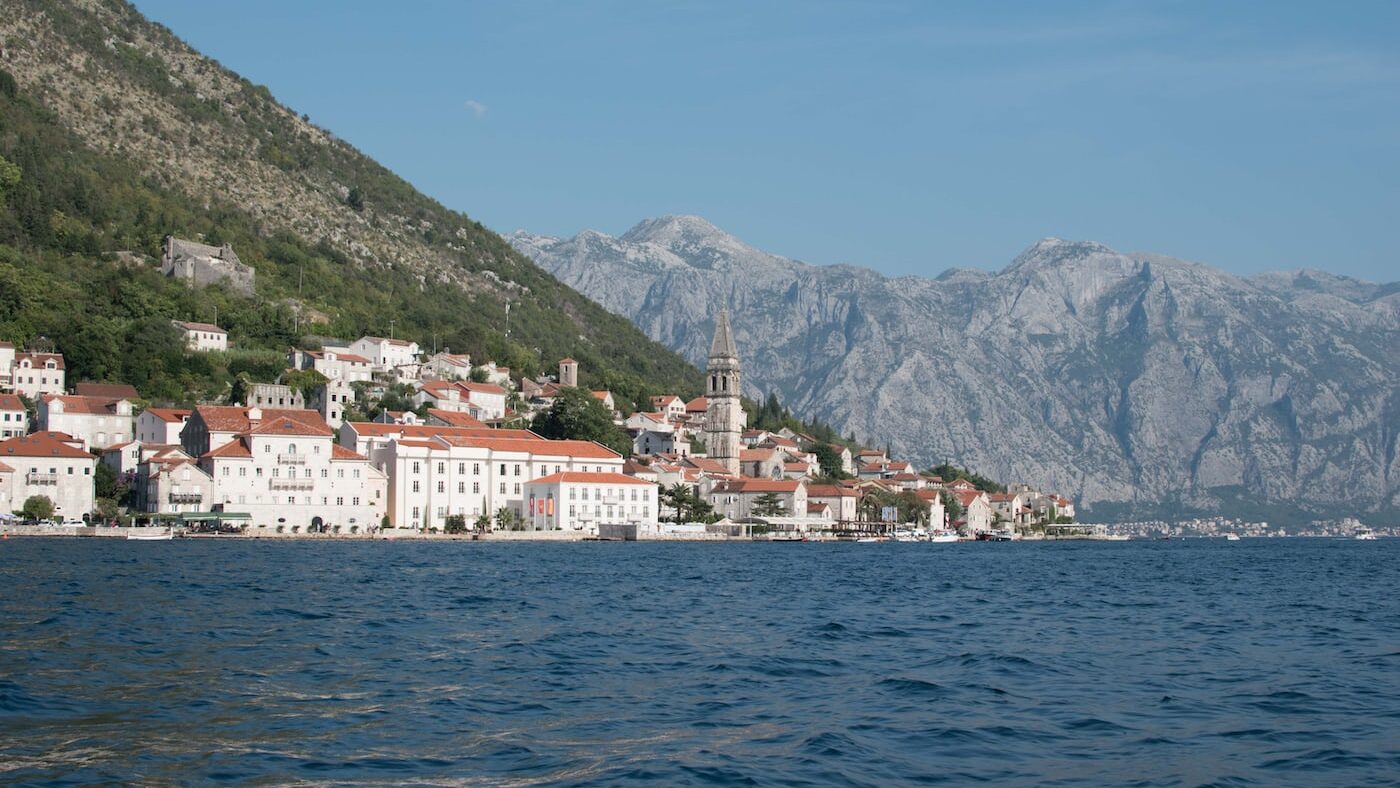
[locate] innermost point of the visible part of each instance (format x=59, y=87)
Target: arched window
x=292, y=448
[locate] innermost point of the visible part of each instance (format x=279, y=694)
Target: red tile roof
x=339, y=452
x=38, y=359
x=42, y=444
x=579, y=477
x=234, y=418
x=830, y=491
x=760, y=486
x=106, y=390
x=238, y=447
x=370, y=428
x=210, y=327
x=169, y=414
x=73, y=403
x=455, y=419
x=699, y=404
x=11, y=402
x=535, y=445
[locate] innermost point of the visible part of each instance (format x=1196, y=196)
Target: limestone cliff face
x=1138, y=383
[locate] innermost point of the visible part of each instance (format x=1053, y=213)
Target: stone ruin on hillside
x=201, y=265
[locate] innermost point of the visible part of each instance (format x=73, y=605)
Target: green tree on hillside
x=578, y=415
x=830, y=460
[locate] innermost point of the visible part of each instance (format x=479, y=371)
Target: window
x=503, y=469
x=258, y=472
x=585, y=493
x=316, y=449
x=339, y=501
x=225, y=470
x=267, y=447
x=325, y=472
x=241, y=471
x=476, y=469
x=356, y=473
x=517, y=488
x=415, y=486
x=573, y=493
x=517, y=469
x=276, y=472
x=503, y=488
x=476, y=488
x=340, y=473
x=415, y=467
x=442, y=486
x=461, y=467
x=461, y=487
x=442, y=467
x=415, y=513
x=292, y=499
x=70, y=470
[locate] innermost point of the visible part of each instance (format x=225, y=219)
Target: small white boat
x=1365, y=534
x=163, y=536
x=1232, y=537
x=869, y=539
x=943, y=536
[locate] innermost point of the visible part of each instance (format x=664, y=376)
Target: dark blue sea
x=1273, y=662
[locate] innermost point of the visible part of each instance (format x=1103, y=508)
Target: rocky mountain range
x=1140, y=384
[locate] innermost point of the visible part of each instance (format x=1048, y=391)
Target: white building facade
x=52, y=465
x=581, y=501
x=97, y=422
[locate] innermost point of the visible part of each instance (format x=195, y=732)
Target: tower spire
x=723, y=344
x=724, y=416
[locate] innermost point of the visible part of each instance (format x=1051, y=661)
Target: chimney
x=254, y=415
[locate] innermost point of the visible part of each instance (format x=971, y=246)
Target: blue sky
x=909, y=137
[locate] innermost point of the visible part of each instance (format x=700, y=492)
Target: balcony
x=291, y=484
x=186, y=497
x=291, y=459
x=40, y=478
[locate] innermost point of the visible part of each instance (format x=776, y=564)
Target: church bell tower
x=724, y=416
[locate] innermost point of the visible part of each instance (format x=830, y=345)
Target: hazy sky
x=909, y=137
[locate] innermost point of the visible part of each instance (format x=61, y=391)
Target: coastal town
x=466, y=454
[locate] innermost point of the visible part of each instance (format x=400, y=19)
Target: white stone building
x=202, y=337
x=435, y=472
x=581, y=501
x=448, y=366
x=289, y=474
x=50, y=464
x=737, y=498
x=161, y=425
x=170, y=482
x=394, y=356
x=14, y=419
x=95, y=421
x=7, y=362
x=334, y=363
x=37, y=374
x=843, y=501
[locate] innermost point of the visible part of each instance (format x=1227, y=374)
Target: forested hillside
x=113, y=134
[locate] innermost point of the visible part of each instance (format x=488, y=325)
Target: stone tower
x=568, y=372
x=724, y=416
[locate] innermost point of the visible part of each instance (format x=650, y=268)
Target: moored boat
x=160, y=536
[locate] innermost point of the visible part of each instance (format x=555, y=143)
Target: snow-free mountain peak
x=1143, y=384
